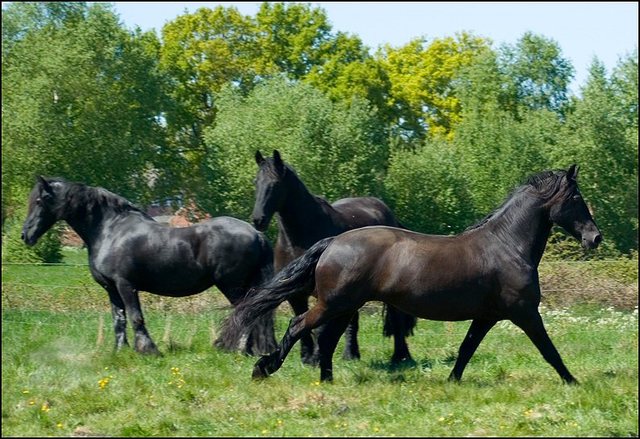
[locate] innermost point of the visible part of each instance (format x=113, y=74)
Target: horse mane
x=296, y=180
x=82, y=196
x=545, y=185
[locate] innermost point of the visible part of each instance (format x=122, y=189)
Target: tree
x=536, y=74
x=205, y=51
x=601, y=135
x=428, y=190
x=81, y=99
x=423, y=78
x=317, y=137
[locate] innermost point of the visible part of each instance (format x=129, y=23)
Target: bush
x=337, y=150
x=427, y=192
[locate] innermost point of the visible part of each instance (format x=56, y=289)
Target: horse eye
x=576, y=197
x=38, y=200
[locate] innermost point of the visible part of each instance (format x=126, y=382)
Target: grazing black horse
x=130, y=252
x=303, y=220
x=486, y=274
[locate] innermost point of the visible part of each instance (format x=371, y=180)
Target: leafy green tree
x=497, y=148
x=428, y=191
x=81, y=99
x=337, y=150
x=292, y=36
x=601, y=135
x=84, y=99
x=348, y=70
x=423, y=78
x=536, y=75
x=201, y=52
x=209, y=49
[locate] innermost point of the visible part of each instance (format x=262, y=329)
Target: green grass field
x=60, y=376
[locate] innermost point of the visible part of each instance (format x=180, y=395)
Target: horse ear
x=572, y=172
x=259, y=158
x=44, y=184
x=277, y=161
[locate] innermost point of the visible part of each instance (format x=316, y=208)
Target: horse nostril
x=22, y=236
x=597, y=239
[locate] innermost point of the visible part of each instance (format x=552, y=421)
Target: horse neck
x=86, y=217
x=523, y=225
x=302, y=214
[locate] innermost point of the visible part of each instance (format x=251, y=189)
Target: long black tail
x=261, y=338
x=298, y=277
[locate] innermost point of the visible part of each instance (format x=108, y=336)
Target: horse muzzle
x=591, y=240
x=28, y=239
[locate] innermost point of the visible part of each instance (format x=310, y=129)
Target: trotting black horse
x=303, y=220
x=485, y=274
x=130, y=252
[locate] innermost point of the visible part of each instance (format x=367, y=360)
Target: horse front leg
x=530, y=322
x=475, y=334
x=142, y=340
x=119, y=317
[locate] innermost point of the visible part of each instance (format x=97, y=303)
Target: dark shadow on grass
x=390, y=367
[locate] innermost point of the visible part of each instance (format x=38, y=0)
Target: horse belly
x=171, y=273
x=433, y=299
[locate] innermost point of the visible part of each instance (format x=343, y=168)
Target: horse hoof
x=310, y=360
x=571, y=381
x=348, y=356
x=259, y=373
x=149, y=350
x=401, y=359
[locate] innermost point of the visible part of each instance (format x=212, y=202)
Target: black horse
x=130, y=252
x=303, y=220
x=485, y=274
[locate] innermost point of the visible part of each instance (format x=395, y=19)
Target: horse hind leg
x=268, y=364
x=308, y=347
x=328, y=338
x=299, y=326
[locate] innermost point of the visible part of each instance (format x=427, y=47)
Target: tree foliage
x=602, y=136
x=423, y=78
x=442, y=129
x=80, y=99
x=317, y=137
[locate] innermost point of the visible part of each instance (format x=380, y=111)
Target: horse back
x=430, y=276
x=178, y=261
x=359, y=212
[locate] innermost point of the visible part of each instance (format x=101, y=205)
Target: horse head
x=569, y=210
x=43, y=211
x=270, y=189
